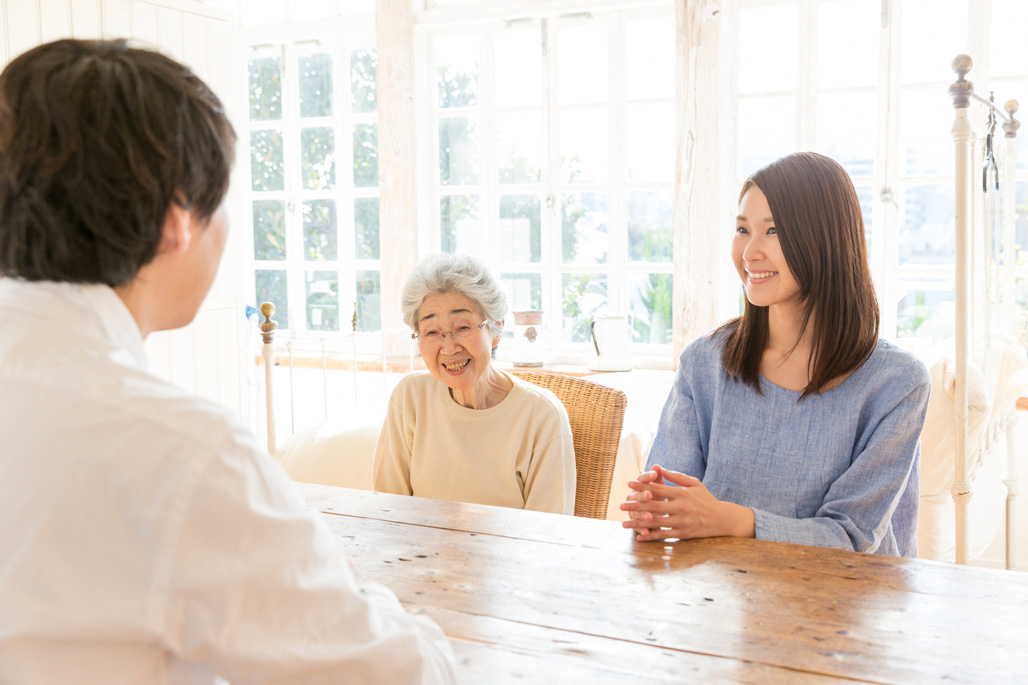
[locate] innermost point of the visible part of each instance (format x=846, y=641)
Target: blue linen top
x=837, y=469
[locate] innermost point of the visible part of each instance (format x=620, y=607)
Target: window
x=314, y=184
x=869, y=90
x=552, y=155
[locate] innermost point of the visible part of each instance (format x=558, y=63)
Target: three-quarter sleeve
x=858, y=508
x=680, y=441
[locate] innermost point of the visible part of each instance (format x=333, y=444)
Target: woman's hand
x=657, y=511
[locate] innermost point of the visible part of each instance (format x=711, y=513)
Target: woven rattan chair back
x=596, y=413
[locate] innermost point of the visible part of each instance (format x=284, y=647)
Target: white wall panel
x=54, y=19
x=3, y=32
x=22, y=25
x=205, y=342
x=195, y=44
x=144, y=23
x=86, y=20
x=169, y=32
x=117, y=18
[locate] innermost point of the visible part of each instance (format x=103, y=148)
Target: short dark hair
x=821, y=230
x=97, y=140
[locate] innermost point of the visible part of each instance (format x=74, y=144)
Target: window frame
x=618, y=268
x=340, y=41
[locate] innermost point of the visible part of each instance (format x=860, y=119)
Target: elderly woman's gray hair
x=447, y=273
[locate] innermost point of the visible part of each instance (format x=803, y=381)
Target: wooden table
x=541, y=598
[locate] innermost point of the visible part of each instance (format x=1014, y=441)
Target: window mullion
x=296, y=277
x=489, y=182
x=553, y=281
x=885, y=227
x=617, y=240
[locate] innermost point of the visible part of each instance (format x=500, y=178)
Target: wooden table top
x=539, y=598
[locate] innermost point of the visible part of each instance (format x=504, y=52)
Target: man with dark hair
x=144, y=537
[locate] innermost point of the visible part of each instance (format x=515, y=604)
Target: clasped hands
x=658, y=511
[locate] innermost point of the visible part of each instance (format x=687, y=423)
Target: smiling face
x=460, y=364
x=758, y=256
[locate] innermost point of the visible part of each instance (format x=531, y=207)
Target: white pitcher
x=612, y=340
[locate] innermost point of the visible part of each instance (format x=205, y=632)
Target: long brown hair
x=821, y=231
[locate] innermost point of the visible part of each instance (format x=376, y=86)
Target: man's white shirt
x=146, y=538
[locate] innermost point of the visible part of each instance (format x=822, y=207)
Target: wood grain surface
x=534, y=597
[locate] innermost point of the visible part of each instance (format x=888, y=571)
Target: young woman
x=792, y=422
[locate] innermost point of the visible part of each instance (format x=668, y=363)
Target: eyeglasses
x=459, y=334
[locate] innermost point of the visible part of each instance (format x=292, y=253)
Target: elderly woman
x=466, y=431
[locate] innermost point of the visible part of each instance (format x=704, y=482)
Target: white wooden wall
x=205, y=357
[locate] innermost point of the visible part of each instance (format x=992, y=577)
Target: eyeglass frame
x=453, y=334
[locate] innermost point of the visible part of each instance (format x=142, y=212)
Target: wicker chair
x=596, y=413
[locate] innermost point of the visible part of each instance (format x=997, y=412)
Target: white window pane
x=847, y=126
x=269, y=230
x=320, y=231
x=767, y=131
x=1015, y=90
x=322, y=300
x=649, y=156
x=650, y=58
x=519, y=68
x=583, y=145
x=267, y=165
x=927, y=230
x=365, y=228
x=365, y=155
x=925, y=132
x=1009, y=55
x=315, y=85
x=369, y=301
x=933, y=33
x=458, y=151
x=519, y=238
x=847, y=46
x=767, y=49
x=585, y=296
x=523, y=291
x=924, y=308
x=582, y=64
x=363, y=72
x=650, y=225
x=265, y=86
x=519, y=146
x=317, y=158
x=865, y=195
x=584, y=235
x=649, y=301
x=1021, y=224
x=460, y=227
x=456, y=60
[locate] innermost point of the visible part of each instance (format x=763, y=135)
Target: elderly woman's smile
x=457, y=348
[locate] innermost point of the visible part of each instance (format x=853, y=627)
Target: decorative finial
x=268, y=327
x=354, y=317
x=960, y=90
x=1011, y=126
